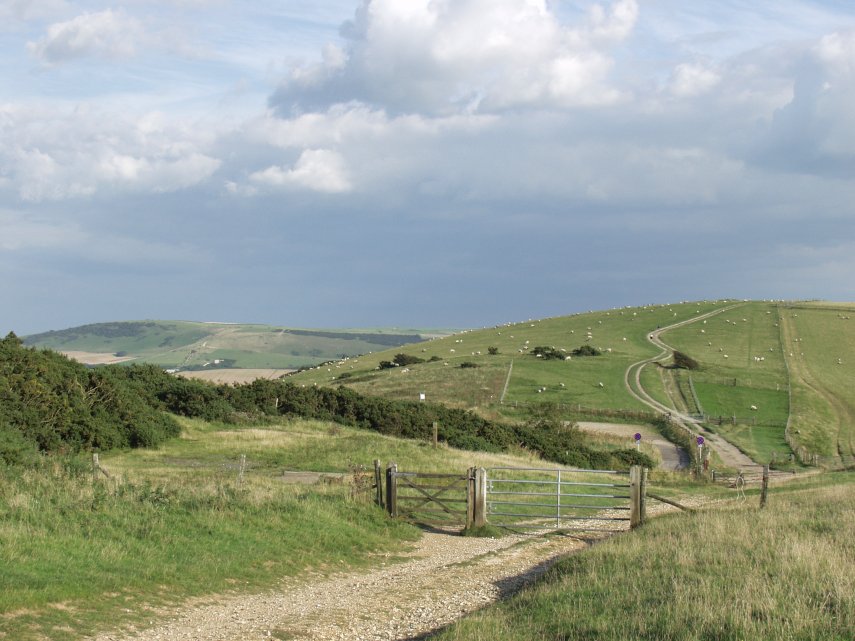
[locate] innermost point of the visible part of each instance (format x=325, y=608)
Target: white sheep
x=601, y=384
x=754, y=408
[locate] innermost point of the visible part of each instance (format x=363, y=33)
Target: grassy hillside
x=744, y=365
x=181, y=521
x=743, y=377
x=620, y=334
x=820, y=351
x=730, y=573
x=189, y=345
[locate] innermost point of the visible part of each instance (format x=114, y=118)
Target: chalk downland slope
x=192, y=346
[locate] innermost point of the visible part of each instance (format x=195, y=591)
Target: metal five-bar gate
x=568, y=499
x=514, y=497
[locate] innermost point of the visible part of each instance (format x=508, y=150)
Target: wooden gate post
x=643, y=510
x=479, y=514
x=635, y=503
x=392, y=489
x=378, y=483
x=764, y=489
x=470, y=497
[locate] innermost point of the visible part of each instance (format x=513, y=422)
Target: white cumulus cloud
x=316, y=169
x=443, y=56
x=104, y=34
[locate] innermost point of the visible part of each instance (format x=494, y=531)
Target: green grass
x=77, y=557
x=731, y=379
x=175, y=522
x=823, y=403
x=729, y=573
x=482, y=387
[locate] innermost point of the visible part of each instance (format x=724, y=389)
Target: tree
x=492, y=351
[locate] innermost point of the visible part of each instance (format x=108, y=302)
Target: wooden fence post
x=241, y=469
x=764, y=489
x=435, y=434
x=471, y=493
x=378, y=483
x=392, y=489
x=634, y=496
x=479, y=514
x=643, y=498
x=95, y=466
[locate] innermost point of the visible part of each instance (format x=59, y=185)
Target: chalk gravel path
x=444, y=578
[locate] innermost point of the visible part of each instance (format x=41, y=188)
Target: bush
x=587, y=350
x=492, y=351
x=406, y=359
x=548, y=353
x=684, y=361
x=468, y=365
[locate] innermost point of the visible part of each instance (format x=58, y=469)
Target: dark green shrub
x=406, y=359
x=684, y=361
x=586, y=350
x=548, y=353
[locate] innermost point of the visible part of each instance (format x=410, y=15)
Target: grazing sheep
x=601, y=384
x=754, y=408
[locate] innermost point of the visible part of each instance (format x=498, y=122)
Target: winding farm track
x=729, y=454
x=443, y=578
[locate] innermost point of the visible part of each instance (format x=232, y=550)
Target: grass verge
x=730, y=573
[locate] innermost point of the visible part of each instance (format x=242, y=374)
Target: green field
x=820, y=351
x=482, y=387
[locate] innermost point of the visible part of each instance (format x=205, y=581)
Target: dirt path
x=673, y=456
x=445, y=577
x=729, y=454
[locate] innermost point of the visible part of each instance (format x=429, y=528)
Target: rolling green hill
x=753, y=386
x=194, y=346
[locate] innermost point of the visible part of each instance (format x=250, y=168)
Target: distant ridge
x=193, y=346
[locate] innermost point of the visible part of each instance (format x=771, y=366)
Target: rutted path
x=446, y=577
x=729, y=453
x=673, y=456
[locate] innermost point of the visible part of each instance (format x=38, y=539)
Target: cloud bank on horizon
x=429, y=162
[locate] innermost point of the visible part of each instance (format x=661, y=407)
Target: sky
x=419, y=163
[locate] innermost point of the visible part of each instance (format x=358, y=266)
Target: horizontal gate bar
x=425, y=499
x=563, y=505
x=431, y=476
x=559, y=483
x=407, y=484
x=600, y=496
x=564, y=469
x=563, y=518
x=522, y=526
x=433, y=511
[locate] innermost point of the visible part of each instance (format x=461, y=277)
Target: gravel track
x=445, y=577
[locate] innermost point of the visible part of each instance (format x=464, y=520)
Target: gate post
x=643, y=510
x=470, y=497
x=378, y=483
x=392, y=489
x=479, y=513
x=635, y=500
